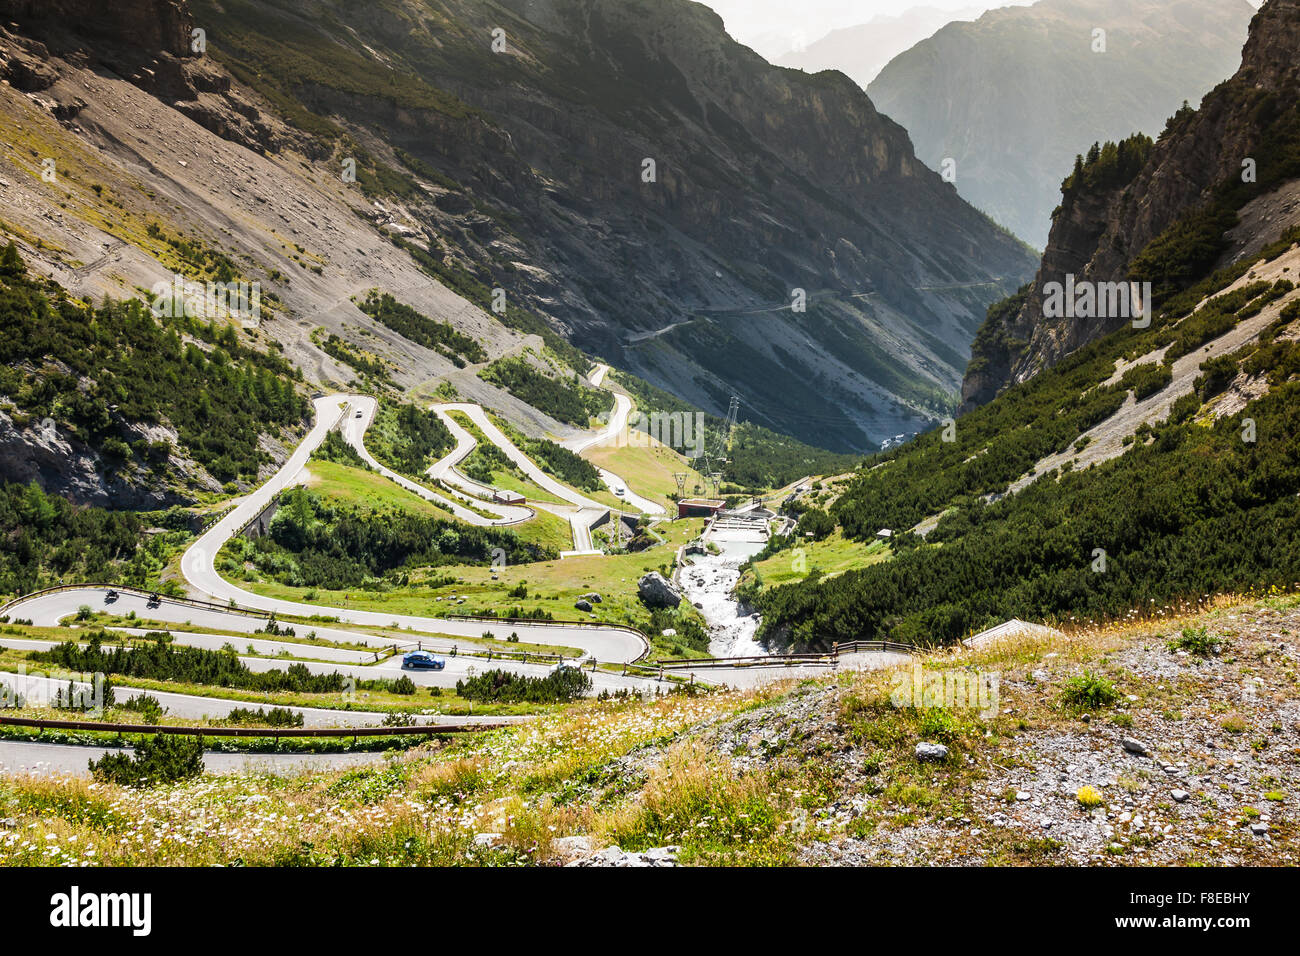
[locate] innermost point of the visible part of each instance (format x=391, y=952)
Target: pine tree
x=11, y=263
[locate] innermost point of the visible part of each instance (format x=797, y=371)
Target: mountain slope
x=522, y=171
x=766, y=182
x=1167, y=212
x=1015, y=95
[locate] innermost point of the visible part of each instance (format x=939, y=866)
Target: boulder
x=593, y=597
x=1134, y=746
x=582, y=605
x=656, y=591
x=929, y=751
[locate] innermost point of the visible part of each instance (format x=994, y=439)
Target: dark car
x=422, y=661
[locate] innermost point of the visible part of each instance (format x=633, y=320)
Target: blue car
x=422, y=661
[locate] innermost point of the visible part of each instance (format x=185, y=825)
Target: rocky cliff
x=152, y=43
x=1219, y=182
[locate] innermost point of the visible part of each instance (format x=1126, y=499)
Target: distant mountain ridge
x=1013, y=96
x=861, y=51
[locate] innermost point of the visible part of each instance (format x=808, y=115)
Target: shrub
x=403, y=685
x=147, y=706
x=565, y=684
x=275, y=717
x=1196, y=640
x=157, y=760
x=1088, y=692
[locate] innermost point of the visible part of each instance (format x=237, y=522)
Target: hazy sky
x=772, y=27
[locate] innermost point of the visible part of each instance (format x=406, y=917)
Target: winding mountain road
x=611, y=434
x=361, y=415
x=198, y=567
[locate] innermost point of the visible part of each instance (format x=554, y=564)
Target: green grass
x=647, y=470
x=546, y=529
x=367, y=489
x=552, y=586
x=832, y=555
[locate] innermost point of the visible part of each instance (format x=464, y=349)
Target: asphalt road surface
x=46, y=760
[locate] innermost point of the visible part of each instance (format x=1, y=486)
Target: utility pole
x=733, y=410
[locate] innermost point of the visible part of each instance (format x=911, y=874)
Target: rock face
x=162, y=26
x=1101, y=228
x=1013, y=96
x=149, y=42
x=657, y=591
x=61, y=465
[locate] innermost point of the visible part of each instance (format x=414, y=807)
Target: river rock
x=656, y=591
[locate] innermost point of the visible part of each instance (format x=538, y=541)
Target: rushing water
x=709, y=580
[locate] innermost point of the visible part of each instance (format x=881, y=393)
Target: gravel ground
x=1196, y=762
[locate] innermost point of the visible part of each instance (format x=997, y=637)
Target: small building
x=699, y=507
x=508, y=497
x=884, y=534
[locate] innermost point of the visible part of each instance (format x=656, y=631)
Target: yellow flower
x=1089, y=797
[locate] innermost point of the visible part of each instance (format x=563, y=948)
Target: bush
x=403, y=685
x=275, y=717
x=565, y=684
x=147, y=706
x=1196, y=640
x=1088, y=692
x=157, y=760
